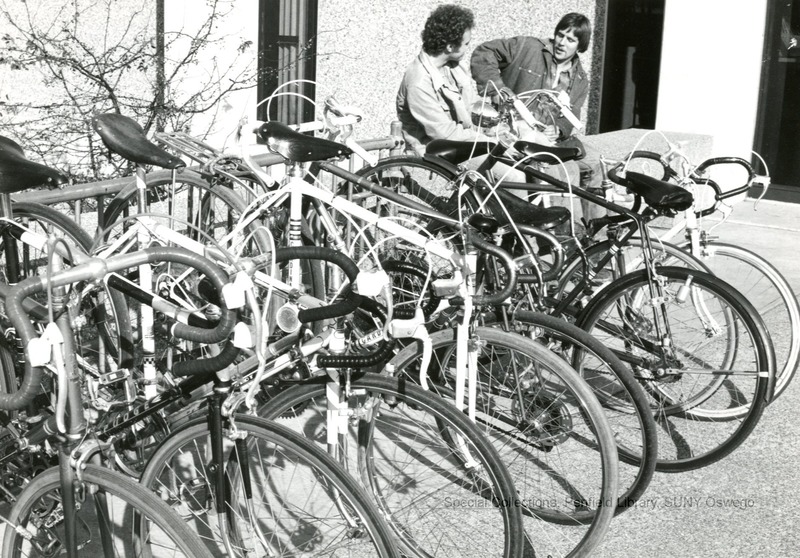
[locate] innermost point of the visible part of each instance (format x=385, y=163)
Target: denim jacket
x=523, y=64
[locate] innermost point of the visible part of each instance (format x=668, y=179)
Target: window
x=287, y=51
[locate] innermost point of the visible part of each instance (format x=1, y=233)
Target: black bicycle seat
x=519, y=210
x=661, y=196
x=543, y=153
x=525, y=213
x=124, y=136
x=456, y=152
x=7, y=144
x=299, y=148
x=18, y=173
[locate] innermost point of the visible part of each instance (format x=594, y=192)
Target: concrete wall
x=364, y=46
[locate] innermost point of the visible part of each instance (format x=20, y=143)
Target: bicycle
x=497, y=483
x=102, y=349
x=661, y=197
x=121, y=516
x=291, y=144
x=751, y=274
x=362, y=525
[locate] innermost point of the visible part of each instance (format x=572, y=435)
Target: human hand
x=527, y=133
x=502, y=95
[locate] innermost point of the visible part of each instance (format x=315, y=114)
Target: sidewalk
x=772, y=229
x=745, y=505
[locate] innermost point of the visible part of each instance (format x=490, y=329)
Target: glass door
x=778, y=126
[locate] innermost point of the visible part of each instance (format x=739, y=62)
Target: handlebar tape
x=383, y=352
x=337, y=309
x=511, y=270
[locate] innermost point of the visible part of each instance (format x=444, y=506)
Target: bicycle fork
x=218, y=466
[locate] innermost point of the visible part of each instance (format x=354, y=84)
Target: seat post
x=9, y=243
x=146, y=282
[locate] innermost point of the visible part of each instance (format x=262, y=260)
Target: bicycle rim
x=554, y=439
x=715, y=357
x=438, y=482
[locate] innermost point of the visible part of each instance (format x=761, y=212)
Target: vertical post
x=160, y=75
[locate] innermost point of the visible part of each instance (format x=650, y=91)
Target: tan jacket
x=430, y=108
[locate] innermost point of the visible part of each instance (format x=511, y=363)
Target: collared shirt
x=434, y=103
x=561, y=76
x=562, y=80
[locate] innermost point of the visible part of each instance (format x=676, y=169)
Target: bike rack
x=100, y=190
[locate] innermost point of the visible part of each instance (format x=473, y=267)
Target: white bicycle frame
x=295, y=189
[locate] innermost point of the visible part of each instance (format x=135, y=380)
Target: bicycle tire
x=417, y=176
x=733, y=370
x=563, y=460
x=387, y=464
x=755, y=278
x=38, y=506
x=624, y=401
x=772, y=296
x=189, y=200
x=300, y=475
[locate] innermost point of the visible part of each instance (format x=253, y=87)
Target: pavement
x=745, y=505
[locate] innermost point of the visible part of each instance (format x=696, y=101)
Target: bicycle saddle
x=7, y=144
x=299, y=148
x=661, y=196
x=525, y=213
x=456, y=152
x=519, y=210
x=125, y=137
x=18, y=173
x=542, y=153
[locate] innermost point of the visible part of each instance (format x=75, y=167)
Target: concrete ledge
x=617, y=144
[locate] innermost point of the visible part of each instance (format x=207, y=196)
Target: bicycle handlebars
x=351, y=300
x=719, y=195
x=96, y=268
x=511, y=269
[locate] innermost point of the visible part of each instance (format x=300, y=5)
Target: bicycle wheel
x=286, y=497
x=700, y=351
x=770, y=294
x=116, y=517
x=624, y=402
x=755, y=278
x=428, y=182
x=547, y=426
x=438, y=482
x=421, y=182
x=194, y=202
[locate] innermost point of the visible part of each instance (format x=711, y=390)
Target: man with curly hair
x=436, y=94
